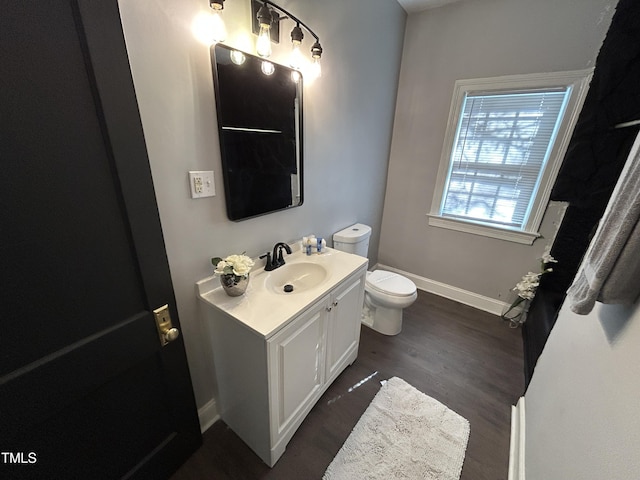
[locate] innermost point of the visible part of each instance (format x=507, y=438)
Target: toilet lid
x=390, y=283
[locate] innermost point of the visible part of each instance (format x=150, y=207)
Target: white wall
x=471, y=39
x=348, y=122
x=582, y=404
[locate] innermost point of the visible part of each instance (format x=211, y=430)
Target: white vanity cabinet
x=270, y=376
x=343, y=333
x=308, y=354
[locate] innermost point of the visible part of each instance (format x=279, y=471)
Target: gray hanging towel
x=610, y=270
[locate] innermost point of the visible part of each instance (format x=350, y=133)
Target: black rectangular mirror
x=259, y=107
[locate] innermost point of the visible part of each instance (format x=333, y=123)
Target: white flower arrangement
x=526, y=288
x=237, y=265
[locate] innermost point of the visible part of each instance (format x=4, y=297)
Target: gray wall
x=348, y=123
x=471, y=39
x=582, y=403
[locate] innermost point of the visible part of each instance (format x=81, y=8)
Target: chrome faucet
x=276, y=260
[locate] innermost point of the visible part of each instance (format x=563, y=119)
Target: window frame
x=577, y=81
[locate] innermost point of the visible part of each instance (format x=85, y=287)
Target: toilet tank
x=353, y=239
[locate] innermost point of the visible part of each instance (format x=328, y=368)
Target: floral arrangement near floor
x=516, y=313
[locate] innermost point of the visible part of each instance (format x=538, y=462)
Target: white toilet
x=386, y=293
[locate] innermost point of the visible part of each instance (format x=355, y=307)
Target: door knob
x=166, y=331
x=171, y=334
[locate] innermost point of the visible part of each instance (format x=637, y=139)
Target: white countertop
x=265, y=311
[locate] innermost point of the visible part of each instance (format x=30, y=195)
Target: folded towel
x=610, y=270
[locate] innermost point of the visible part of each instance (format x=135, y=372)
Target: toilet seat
x=389, y=283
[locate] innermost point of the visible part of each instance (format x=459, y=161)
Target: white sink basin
x=297, y=277
x=260, y=310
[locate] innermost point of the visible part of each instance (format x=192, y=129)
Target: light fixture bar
x=290, y=16
x=267, y=14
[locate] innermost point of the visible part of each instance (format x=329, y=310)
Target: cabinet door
x=344, y=326
x=296, y=369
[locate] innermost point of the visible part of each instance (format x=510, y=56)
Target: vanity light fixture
x=218, y=28
x=296, y=40
x=268, y=20
x=265, y=19
x=316, y=53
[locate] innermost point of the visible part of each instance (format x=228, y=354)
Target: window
x=504, y=145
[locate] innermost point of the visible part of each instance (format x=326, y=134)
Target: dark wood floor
x=467, y=359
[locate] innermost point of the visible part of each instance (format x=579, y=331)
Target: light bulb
x=267, y=68
x=296, y=58
x=265, y=18
x=316, y=53
x=218, y=29
x=316, y=69
x=202, y=27
x=263, y=46
x=295, y=76
x=295, y=61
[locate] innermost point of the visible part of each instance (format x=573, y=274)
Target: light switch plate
x=202, y=184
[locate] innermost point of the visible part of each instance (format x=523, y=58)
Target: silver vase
x=234, y=285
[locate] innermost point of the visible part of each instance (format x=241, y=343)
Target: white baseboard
x=516, y=448
x=208, y=415
x=465, y=297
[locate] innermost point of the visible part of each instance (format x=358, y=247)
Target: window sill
x=516, y=236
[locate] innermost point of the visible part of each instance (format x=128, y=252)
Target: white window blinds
x=502, y=144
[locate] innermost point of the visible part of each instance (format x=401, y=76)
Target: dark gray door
x=86, y=389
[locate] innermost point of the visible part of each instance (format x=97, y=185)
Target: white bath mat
x=403, y=434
